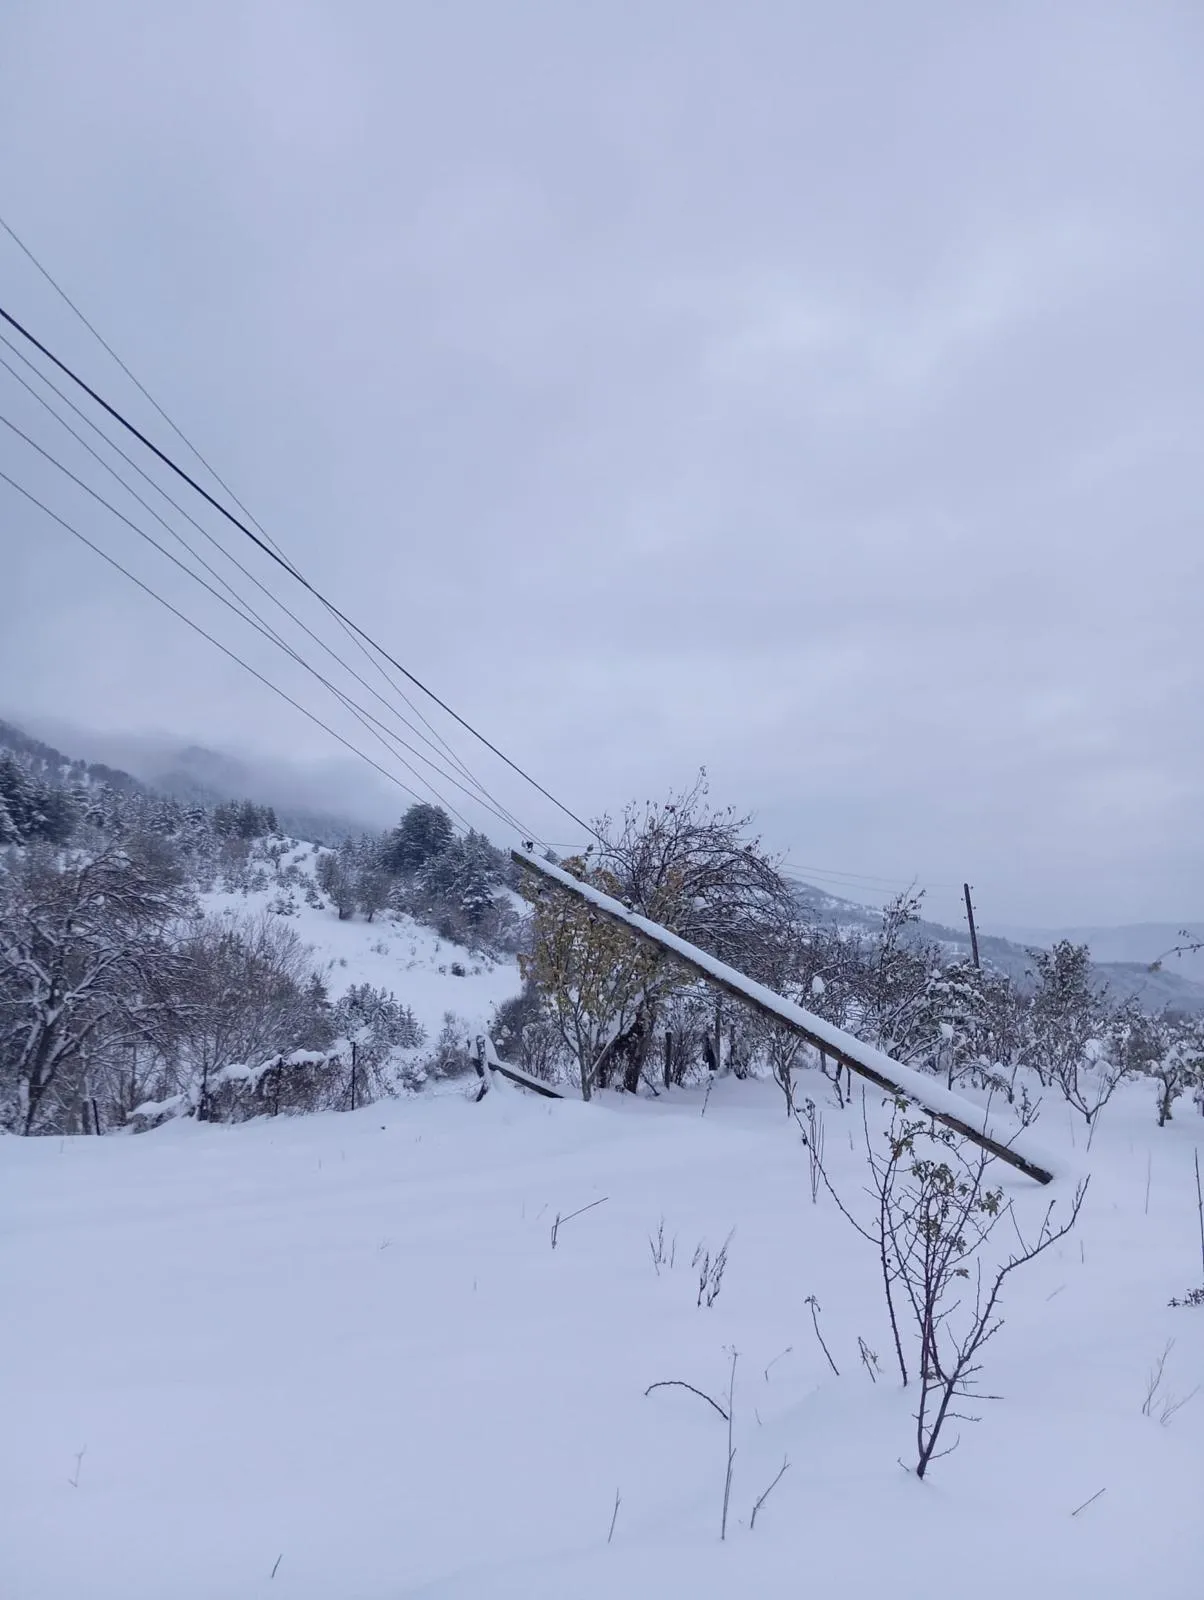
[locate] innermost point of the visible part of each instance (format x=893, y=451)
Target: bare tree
x=83, y=953
x=244, y=990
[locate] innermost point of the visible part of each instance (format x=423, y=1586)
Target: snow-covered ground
x=343, y=1350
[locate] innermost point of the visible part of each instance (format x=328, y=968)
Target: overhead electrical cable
x=218, y=479
x=366, y=718
x=287, y=566
x=482, y=797
x=233, y=559
x=196, y=628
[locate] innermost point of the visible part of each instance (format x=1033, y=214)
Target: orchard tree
x=1076, y=1034
x=679, y=863
x=593, y=976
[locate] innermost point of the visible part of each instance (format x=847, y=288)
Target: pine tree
x=476, y=879
x=8, y=828
x=16, y=791
x=423, y=834
x=56, y=816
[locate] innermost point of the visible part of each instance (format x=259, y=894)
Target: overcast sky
x=813, y=391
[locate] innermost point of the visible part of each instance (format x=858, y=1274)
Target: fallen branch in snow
x=781, y=1473
x=276, y=1568
x=74, y=1479
x=678, y=1383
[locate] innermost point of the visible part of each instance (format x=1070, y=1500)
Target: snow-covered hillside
x=340, y=1356
x=433, y=976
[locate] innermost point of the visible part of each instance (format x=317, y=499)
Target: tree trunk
x=634, y=1049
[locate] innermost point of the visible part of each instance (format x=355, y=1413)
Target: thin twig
x=789, y=1348
x=1200, y=1206
x=614, y=1517
x=580, y=1212
x=1172, y=1404
x=814, y=1304
x=781, y=1471
x=1090, y=1502
x=74, y=1481
x=560, y=1221
x=1154, y=1381
x=676, y=1383
x=731, y=1454
x=869, y=1359
x=279, y=1559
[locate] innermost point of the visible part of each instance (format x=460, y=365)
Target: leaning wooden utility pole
x=942, y=1104
x=973, y=929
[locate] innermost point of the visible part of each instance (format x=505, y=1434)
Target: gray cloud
x=810, y=391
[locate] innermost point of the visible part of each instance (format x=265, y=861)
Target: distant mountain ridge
x=191, y=774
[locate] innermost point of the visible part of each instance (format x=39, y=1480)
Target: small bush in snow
x=935, y=1211
x=710, y=1271
x=452, y=1055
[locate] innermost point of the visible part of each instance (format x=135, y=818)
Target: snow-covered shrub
x=934, y=1214
x=1075, y=1034
x=452, y=1054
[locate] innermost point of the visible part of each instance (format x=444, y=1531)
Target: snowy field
x=338, y=1358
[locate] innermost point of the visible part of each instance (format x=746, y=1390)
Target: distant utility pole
x=973, y=929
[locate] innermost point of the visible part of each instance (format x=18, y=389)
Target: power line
x=201, y=529
x=867, y=879
x=484, y=798
x=365, y=717
x=196, y=628
x=220, y=481
x=287, y=566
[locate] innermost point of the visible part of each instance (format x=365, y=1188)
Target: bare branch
x=781, y=1473
x=677, y=1383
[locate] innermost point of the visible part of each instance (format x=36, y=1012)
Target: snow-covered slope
x=431, y=975
x=338, y=1356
